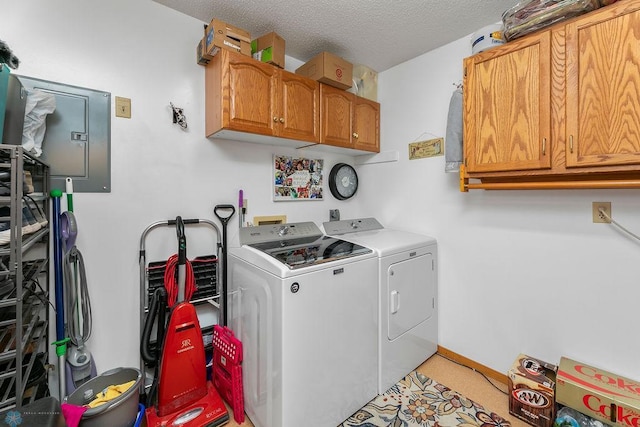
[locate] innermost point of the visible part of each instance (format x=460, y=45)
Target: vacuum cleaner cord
x=78, y=334
x=171, y=284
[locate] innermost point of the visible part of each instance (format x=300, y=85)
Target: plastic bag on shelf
x=567, y=417
x=531, y=15
x=39, y=105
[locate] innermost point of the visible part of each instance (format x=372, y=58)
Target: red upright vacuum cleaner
x=181, y=394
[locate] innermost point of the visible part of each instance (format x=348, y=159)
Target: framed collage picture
x=297, y=178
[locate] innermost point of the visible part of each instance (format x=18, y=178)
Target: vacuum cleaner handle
x=182, y=260
x=182, y=241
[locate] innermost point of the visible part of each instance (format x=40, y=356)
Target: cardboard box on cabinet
x=607, y=397
x=365, y=82
x=269, y=48
x=221, y=35
x=201, y=56
x=531, y=390
x=329, y=69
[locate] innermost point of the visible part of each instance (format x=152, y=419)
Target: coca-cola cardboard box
x=531, y=391
x=607, y=397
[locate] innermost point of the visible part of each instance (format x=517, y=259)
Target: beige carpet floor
x=472, y=385
x=465, y=381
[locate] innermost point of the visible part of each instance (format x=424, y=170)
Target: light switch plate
x=123, y=107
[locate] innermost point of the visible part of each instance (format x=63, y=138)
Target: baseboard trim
x=498, y=376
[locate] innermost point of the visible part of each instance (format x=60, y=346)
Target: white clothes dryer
x=407, y=290
x=305, y=307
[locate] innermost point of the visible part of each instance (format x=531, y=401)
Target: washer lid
x=304, y=252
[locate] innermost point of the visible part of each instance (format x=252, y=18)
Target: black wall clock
x=343, y=181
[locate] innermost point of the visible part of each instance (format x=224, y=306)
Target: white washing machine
x=305, y=307
x=408, y=305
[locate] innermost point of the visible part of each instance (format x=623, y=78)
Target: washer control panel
x=278, y=232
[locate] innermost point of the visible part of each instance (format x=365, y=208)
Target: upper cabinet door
x=250, y=101
x=507, y=102
x=299, y=107
x=336, y=122
x=603, y=89
x=366, y=125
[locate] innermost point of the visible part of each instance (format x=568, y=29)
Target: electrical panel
x=77, y=141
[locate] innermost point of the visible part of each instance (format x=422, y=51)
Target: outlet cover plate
x=123, y=107
x=597, y=218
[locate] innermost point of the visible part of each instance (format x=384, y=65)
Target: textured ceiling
x=377, y=33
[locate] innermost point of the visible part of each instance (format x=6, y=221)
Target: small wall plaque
x=428, y=148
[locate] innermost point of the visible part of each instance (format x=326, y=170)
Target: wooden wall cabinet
x=349, y=121
x=249, y=100
x=507, y=107
x=245, y=98
x=603, y=88
x=559, y=108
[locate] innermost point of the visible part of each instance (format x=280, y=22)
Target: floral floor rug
x=418, y=401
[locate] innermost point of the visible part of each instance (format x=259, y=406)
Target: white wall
x=145, y=51
x=519, y=271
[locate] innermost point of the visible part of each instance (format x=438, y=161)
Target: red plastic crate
x=227, y=369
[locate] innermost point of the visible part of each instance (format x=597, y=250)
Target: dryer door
x=411, y=287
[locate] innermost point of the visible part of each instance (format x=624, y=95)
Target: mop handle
x=61, y=341
x=57, y=258
x=69, y=189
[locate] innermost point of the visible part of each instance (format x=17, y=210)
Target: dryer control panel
x=351, y=226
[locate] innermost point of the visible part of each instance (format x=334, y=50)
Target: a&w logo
x=531, y=397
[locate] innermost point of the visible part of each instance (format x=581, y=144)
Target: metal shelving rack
x=24, y=311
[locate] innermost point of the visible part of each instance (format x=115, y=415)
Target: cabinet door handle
x=275, y=119
x=544, y=146
x=355, y=135
x=281, y=119
x=571, y=143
